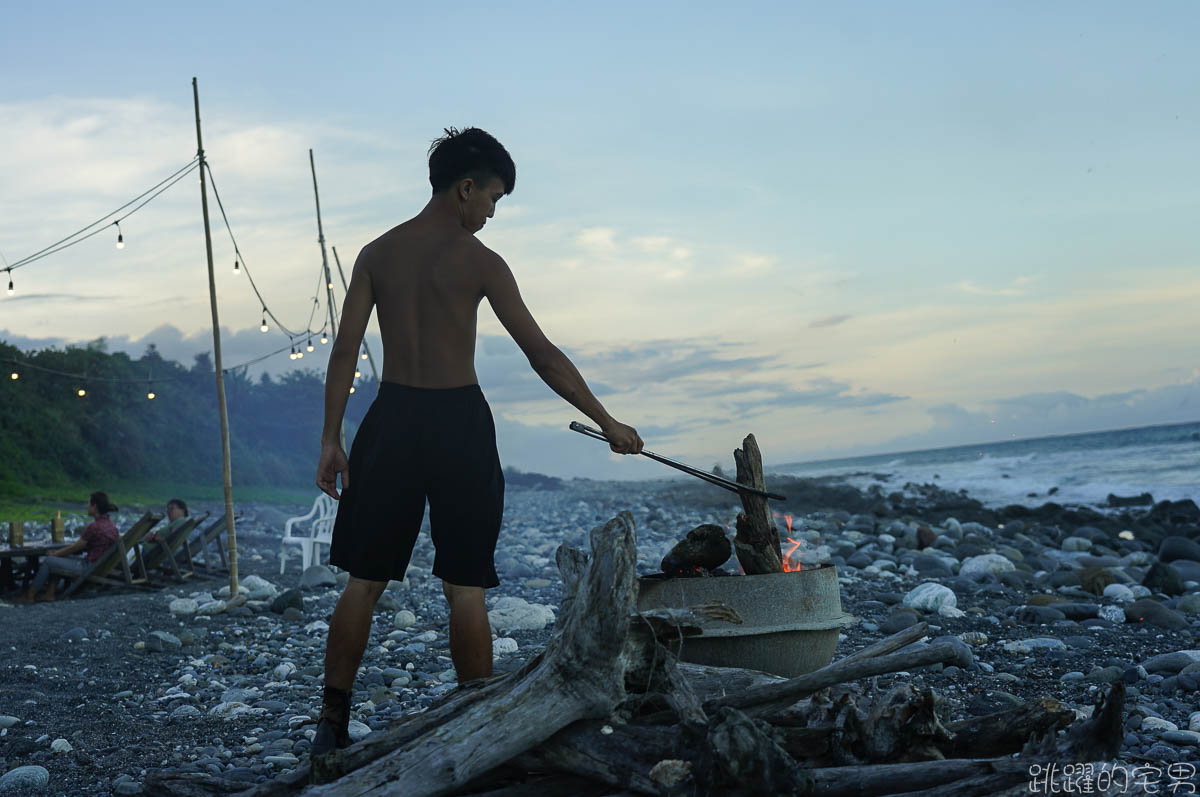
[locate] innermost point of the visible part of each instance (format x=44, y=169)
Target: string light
x=14, y=376
x=150, y=395
x=292, y=354
x=149, y=390
x=357, y=373
x=364, y=354
x=329, y=285
x=324, y=338
x=237, y=267
x=352, y=389
x=10, y=285
x=310, y=347
x=81, y=392
x=120, y=237
x=264, y=326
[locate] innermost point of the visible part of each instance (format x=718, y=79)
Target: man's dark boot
x=333, y=725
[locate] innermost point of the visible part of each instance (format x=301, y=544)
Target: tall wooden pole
x=216, y=324
x=324, y=257
x=346, y=289
x=328, y=277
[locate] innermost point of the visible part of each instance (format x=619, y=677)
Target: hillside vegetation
x=50, y=437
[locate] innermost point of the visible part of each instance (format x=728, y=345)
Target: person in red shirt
x=97, y=537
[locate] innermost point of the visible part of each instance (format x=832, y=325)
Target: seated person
x=97, y=537
x=177, y=513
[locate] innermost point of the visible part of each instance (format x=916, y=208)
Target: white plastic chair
x=320, y=532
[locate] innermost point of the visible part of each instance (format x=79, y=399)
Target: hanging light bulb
x=357, y=373
x=310, y=347
x=264, y=326
x=81, y=392
x=14, y=376
x=352, y=389
x=364, y=354
x=237, y=267
x=292, y=356
x=150, y=395
x=10, y=285
x=149, y=390
x=120, y=237
x=329, y=285
x=324, y=338
x=299, y=353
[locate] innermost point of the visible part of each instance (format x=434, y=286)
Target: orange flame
x=788, y=567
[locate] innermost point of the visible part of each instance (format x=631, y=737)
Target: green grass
x=38, y=504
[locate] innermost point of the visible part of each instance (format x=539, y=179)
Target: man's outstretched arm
x=546, y=359
x=343, y=358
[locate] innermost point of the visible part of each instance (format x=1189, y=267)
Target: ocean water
x=1161, y=460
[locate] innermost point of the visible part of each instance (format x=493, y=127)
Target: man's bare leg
x=349, y=630
x=470, y=634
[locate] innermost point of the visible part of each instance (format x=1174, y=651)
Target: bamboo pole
x=346, y=289
x=328, y=276
x=321, y=241
x=227, y=476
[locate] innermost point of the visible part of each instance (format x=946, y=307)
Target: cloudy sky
x=847, y=229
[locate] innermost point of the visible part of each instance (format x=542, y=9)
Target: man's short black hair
x=179, y=503
x=470, y=153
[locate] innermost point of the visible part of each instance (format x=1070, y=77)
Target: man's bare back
x=430, y=432
x=427, y=285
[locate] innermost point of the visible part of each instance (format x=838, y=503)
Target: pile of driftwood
x=607, y=709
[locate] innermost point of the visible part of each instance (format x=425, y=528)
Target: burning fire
x=788, y=566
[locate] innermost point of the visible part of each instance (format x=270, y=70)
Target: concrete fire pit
x=791, y=620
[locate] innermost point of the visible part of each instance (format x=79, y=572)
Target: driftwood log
x=607, y=709
x=757, y=539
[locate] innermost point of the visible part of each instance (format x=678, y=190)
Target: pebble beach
x=1052, y=601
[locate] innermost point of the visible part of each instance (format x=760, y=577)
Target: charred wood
x=757, y=540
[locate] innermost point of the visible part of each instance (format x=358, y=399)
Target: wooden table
x=31, y=554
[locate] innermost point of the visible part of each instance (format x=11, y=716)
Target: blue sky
x=845, y=228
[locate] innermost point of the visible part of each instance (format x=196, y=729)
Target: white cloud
x=597, y=239
x=749, y=262
x=1015, y=288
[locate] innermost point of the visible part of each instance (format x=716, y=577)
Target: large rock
x=985, y=566
x=1119, y=593
x=705, y=546
x=159, y=641
x=24, y=780
x=1148, y=610
x=930, y=597
x=1176, y=513
x=964, y=657
x=183, y=607
x=1176, y=547
x=358, y=730
x=1038, y=615
x=1036, y=643
x=1172, y=663
x=317, y=576
x=256, y=588
x=1162, y=577
x=518, y=614
x=287, y=599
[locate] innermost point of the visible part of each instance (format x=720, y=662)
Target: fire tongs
x=708, y=477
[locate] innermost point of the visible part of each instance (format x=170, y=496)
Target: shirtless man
x=430, y=433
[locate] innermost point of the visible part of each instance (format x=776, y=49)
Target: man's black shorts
x=419, y=443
